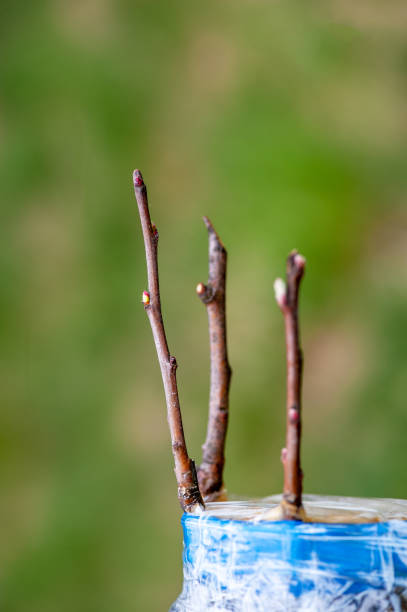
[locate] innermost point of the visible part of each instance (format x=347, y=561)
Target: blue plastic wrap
x=246, y=564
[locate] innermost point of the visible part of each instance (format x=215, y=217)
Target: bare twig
x=287, y=299
x=210, y=472
x=188, y=490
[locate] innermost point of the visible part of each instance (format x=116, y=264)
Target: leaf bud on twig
x=280, y=291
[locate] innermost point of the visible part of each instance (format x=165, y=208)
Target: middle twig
x=210, y=472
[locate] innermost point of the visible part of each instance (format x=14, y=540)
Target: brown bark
x=213, y=295
x=188, y=489
x=287, y=299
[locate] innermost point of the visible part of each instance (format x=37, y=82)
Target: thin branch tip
x=138, y=179
x=300, y=261
x=296, y=264
x=208, y=224
x=213, y=233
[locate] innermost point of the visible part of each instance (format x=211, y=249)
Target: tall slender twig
x=188, y=490
x=210, y=472
x=287, y=299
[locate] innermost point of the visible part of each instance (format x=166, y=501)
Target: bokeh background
x=285, y=123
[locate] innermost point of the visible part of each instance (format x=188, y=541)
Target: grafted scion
x=213, y=295
x=287, y=298
x=188, y=490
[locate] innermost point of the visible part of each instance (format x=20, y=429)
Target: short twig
x=210, y=472
x=188, y=490
x=287, y=299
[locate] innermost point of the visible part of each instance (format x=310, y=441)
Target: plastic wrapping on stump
x=235, y=561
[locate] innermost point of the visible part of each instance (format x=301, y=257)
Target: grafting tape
x=254, y=565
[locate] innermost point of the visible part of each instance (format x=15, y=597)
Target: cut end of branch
x=280, y=291
x=213, y=233
x=145, y=298
x=138, y=179
x=208, y=224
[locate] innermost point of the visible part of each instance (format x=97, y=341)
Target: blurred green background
x=285, y=123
